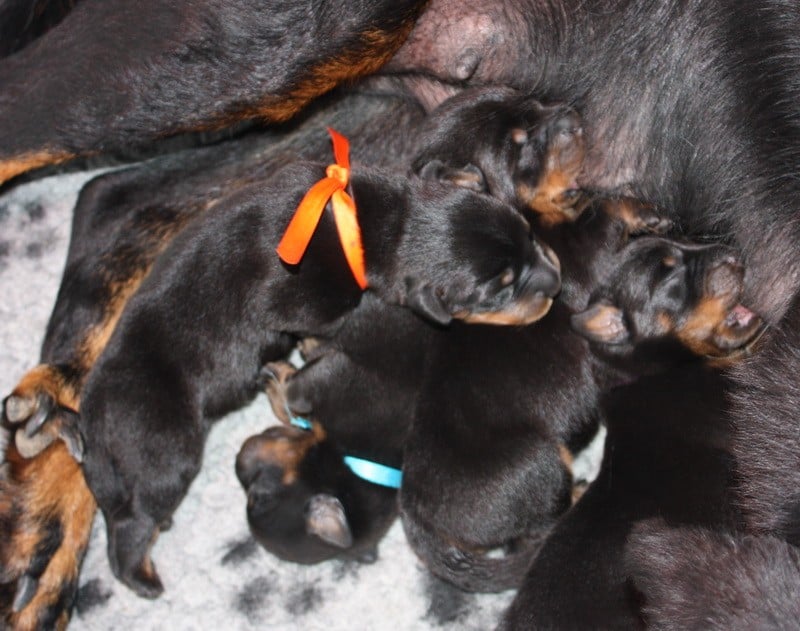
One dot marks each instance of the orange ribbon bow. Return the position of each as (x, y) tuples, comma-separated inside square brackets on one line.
[(304, 222)]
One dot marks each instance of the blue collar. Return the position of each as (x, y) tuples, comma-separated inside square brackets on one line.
[(374, 472)]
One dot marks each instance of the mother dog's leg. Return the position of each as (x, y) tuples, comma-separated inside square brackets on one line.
[(123, 73), (46, 509)]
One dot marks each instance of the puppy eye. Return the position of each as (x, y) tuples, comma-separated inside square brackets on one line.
[(507, 277), (669, 261)]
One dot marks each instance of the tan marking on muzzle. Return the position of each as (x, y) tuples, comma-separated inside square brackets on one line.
[(519, 313), (288, 450)]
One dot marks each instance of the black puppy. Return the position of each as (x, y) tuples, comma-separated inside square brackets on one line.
[(674, 316), (527, 153), (355, 391), (122, 221), (219, 303)]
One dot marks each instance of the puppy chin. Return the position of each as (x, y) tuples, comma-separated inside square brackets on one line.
[(518, 313)]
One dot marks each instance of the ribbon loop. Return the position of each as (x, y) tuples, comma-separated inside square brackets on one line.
[(304, 222)]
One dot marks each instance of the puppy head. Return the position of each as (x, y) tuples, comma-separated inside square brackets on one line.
[(469, 256), (303, 504), (665, 291), (497, 141)]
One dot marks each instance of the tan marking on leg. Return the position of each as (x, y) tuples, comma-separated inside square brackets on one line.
[(47, 379), (98, 335), (29, 161), (51, 486)]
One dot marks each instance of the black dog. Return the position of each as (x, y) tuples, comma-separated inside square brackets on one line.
[(528, 154), (667, 451), (355, 391), (122, 221), (191, 342)]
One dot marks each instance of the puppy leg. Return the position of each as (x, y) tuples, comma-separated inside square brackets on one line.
[(129, 543), (105, 79), (46, 508)]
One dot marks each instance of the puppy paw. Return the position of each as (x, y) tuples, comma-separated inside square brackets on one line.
[(40, 411), (639, 217), (46, 513), (277, 376)]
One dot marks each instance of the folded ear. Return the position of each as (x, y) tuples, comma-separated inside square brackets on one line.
[(325, 518), (422, 299), (601, 322), (469, 176)]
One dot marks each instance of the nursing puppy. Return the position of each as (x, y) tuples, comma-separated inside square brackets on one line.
[(355, 391), (218, 304), (490, 425), (667, 450)]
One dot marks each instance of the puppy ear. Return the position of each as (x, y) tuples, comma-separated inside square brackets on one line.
[(325, 518), (422, 299), (470, 176), (602, 322)]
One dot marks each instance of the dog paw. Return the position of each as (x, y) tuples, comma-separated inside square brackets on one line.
[(46, 513), (277, 376), (639, 217), (40, 411)]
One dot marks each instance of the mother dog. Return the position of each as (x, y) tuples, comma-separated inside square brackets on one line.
[(691, 104)]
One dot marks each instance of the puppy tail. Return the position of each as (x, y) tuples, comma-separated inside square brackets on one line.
[(471, 570)]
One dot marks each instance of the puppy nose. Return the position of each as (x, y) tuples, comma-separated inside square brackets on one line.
[(567, 122), (545, 275)]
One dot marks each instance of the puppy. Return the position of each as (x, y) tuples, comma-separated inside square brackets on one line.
[(312, 506), (673, 318), (466, 442), (122, 221), (527, 153), (218, 304)]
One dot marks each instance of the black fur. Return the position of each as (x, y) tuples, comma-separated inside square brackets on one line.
[(498, 405), (696, 578), (362, 384), (191, 342)]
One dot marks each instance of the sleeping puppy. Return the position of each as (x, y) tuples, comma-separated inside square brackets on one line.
[(355, 391), (527, 153), (219, 304), (667, 450), (485, 466)]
